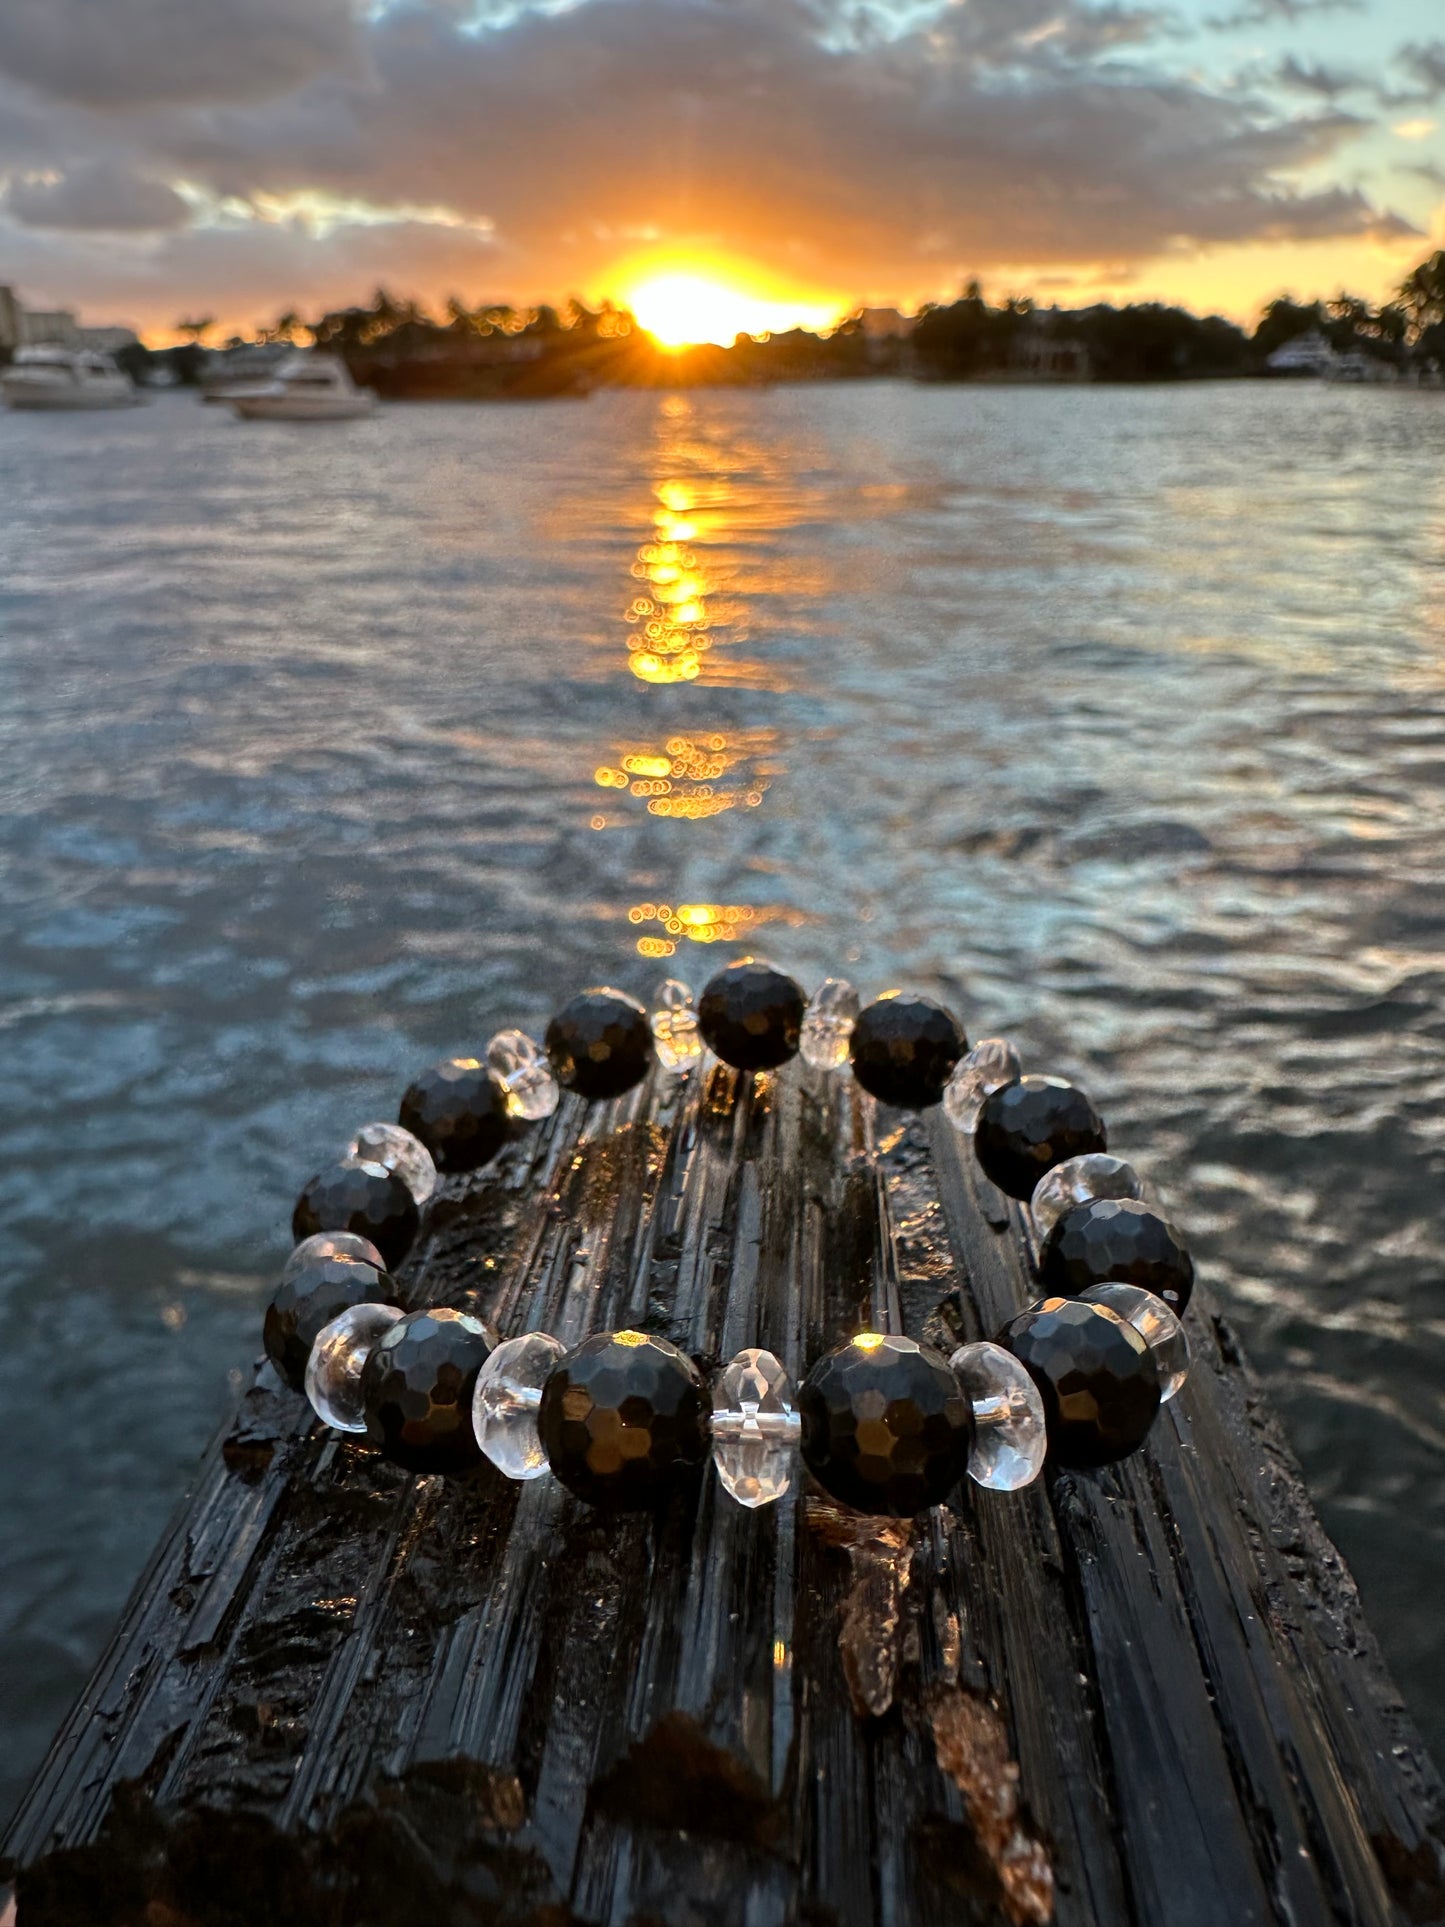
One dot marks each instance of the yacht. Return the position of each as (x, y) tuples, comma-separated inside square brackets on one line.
[(236, 373), (66, 378), (307, 388)]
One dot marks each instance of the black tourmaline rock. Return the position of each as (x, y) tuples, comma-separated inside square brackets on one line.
[(1095, 1375), (623, 1420), (886, 1426), (459, 1112), (1027, 1128), (417, 1388), (600, 1044), (1117, 1240), (310, 1297), (363, 1198), (904, 1049), (751, 1015)]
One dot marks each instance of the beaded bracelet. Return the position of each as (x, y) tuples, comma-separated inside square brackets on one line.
[(884, 1424)]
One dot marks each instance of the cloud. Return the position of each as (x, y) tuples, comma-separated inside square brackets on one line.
[(1424, 63), (992, 135), (1310, 77), (119, 52), (1265, 13), (988, 136), (95, 197)]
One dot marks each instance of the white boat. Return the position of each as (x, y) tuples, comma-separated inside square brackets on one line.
[(66, 378), (237, 373), (307, 388)]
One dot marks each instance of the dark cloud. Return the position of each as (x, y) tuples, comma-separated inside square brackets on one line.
[(1424, 65), (95, 197), (1264, 13), (1309, 77), (112, 53), (993, 134)]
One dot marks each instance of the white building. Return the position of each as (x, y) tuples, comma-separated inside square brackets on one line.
[(22, 327)]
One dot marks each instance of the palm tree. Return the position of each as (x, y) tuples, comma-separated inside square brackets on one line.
[(1422, 294), (195, 331)]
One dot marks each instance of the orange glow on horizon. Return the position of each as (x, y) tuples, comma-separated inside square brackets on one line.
[(686, 307)]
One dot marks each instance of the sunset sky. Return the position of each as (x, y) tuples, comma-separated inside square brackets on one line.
[(239, 157)]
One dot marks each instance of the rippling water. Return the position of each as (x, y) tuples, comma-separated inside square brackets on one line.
[(1119, 716)]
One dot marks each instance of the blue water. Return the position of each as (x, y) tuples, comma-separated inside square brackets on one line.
[(1117, 715)]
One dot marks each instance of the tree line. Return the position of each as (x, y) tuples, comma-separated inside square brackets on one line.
[(493, 348)]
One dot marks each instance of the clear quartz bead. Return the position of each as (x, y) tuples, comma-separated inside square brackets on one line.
[(396, 1150), (333, 1371), (520, 1066), (1156, 1323), (1076, 1181), (331, 1244), (828, 1024), (507, 1399), (992, 1063), (1009, 1438), (674, 1026), (755, 1428)]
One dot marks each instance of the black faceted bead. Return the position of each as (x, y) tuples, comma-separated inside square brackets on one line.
[(600, 1044), (1095, 1374), (751, 1015), (886, 1425), (1117, 1240), (904, 1049), (311, 1297), (1027, 1128), (417, 1388), (623, 1420), (363, 1198), (459, 1112)]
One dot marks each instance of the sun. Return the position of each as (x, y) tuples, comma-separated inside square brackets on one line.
[(680, 309)]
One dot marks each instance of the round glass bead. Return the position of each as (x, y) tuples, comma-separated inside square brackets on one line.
[(622, 1420), (904, 1049), (1076, 1181), (524, 1074), (332, 1244), (1096, 1375), (751, 1015), (416, 1390), (361, 1198), (828, 1024), (396, 1150), (507, 1400), (675, 1033), (310, 1296), (1120, 1241), (886, 1425), (1025, 1129), (459, 1112), (1156, 1324), (333, 1371), (992, 1063), (600, 1044), (1009, 1434), (755, 1428)]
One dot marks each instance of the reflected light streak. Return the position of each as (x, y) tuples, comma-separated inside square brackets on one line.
[(694, 776), (669, 620), (705, 923)]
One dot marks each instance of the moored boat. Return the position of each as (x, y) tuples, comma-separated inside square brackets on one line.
[(307, 388), (67, 378)]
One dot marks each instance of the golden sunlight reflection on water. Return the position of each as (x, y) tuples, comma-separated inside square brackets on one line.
[(679, 618)]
